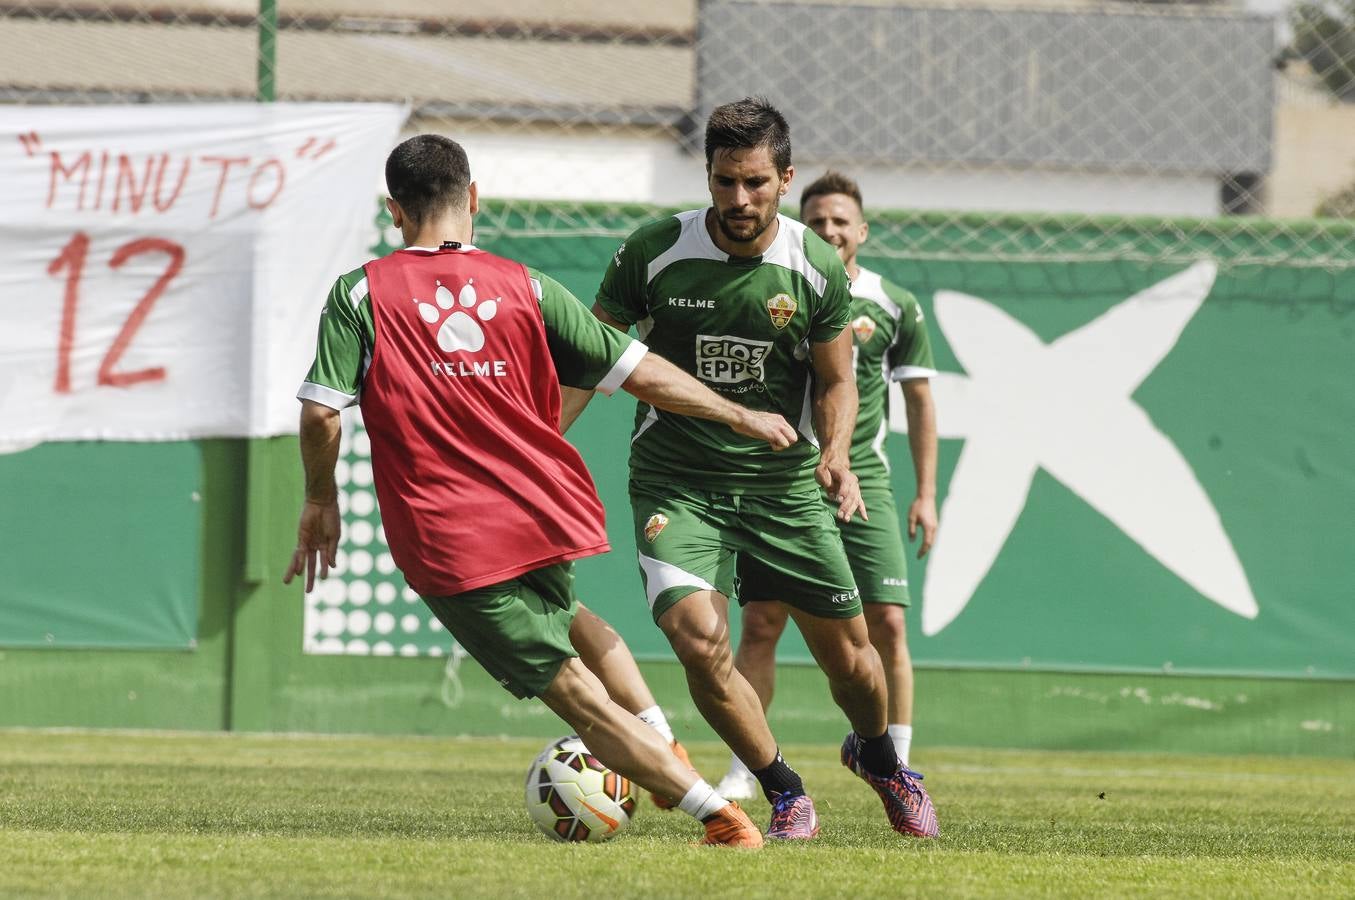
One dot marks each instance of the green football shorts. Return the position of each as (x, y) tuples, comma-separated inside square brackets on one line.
[(517, 629), (689, 539), (875, 549)]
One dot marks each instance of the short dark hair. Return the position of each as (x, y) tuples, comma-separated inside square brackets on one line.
[(750, 122), (427, 175), (831, 182)]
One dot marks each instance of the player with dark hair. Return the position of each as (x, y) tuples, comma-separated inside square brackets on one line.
[(457, 356), (890, 345), (421, 172), (756, 306)]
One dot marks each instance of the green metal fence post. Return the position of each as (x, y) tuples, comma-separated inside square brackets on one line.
[(268, 50), (248, 670)]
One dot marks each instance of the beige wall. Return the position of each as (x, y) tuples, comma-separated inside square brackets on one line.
[(1314, 153), (676, 15)]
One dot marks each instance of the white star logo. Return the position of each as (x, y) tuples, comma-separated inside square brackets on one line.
[(1067, 407)]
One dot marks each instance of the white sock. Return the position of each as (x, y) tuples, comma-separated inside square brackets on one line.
[(902, 736), (702, 802), (654, 718), (738, 768)]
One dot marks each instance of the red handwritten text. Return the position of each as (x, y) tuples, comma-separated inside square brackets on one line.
[(72, 260), (107, 181)]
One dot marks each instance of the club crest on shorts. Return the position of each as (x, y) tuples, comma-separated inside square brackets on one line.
[(655, 525), (782, 309), (864, 328)]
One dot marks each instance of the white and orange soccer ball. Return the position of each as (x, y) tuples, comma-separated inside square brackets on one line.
[(572, 796)]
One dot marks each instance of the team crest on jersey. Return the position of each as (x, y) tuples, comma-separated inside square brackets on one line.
[(782, 309), (864, 328), (656, 524)]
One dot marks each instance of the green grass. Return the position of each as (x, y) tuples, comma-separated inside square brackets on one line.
[(114, 814)]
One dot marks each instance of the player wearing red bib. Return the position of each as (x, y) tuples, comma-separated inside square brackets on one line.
[(456, 357)]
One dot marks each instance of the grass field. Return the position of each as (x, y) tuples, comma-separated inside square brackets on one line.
[(89, 814)]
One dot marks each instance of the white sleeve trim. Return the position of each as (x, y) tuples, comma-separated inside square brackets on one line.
[(624, 366), (909, 373), (359, 293), (326, 396)]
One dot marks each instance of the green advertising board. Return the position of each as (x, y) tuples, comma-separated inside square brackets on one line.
[(1142, 470), (100, 544), (1144, 467)]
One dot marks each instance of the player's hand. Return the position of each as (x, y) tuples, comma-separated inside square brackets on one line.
[(317, 542), (766, 426), (922, 514), (837, 478)]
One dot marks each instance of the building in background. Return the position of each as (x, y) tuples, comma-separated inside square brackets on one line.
[(1074, 107)]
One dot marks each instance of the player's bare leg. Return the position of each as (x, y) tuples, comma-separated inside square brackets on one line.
[(888, 633), (856, 678), (763, 624), (629, 747), (607, 656), (622, 742), (698, 629)]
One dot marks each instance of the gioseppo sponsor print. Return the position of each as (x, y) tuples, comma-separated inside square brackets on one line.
[(728, 359)]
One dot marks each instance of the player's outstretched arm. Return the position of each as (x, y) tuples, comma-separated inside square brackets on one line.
[(917, 402), (835, 403), (317, 533), (573, 401), (659, 383), (608, 319)]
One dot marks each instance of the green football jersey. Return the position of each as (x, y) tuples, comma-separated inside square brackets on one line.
[(890, 344), (743, 328), (586, 353)]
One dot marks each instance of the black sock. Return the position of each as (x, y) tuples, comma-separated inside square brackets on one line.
[(779, 779), (877, 755)]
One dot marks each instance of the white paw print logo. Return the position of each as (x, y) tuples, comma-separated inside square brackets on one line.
[(460, 331)]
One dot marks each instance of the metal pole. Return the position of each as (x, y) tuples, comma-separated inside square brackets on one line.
[(258, 556), (268, 50)]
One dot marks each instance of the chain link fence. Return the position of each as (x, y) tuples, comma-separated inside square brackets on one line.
[(1142, 134), (1091, 120)]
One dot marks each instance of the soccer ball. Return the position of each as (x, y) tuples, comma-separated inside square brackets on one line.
[(571, 796)]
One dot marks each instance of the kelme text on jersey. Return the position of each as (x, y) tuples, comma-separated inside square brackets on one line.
[(691, 303), (489, 368)]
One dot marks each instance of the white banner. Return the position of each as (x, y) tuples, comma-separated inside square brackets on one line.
[(162, 268)]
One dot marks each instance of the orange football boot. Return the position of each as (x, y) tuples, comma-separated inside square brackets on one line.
[(731, 827)]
